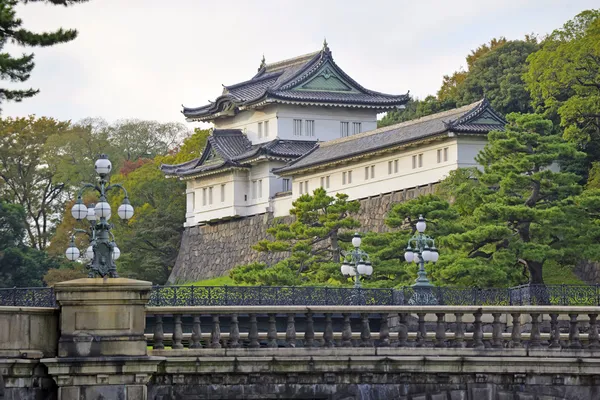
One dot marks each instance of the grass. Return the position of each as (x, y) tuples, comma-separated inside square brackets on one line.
[(557, 275)]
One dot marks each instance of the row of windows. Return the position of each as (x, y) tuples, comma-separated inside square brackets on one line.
[(263, 129), (257, 189), (207, 195), (309, 128), (303, 187), (345, 128)]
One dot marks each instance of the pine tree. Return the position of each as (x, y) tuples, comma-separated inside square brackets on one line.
[(18, 69)]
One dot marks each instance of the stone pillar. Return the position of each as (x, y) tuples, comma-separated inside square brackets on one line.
[(102, 349)]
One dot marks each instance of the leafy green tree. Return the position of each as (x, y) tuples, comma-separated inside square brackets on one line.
[(312, 240), (520, 210), (28, 176), (18, 69), (416, 109), (564, 80)]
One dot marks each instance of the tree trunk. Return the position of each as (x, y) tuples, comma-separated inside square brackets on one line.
[(535, 272), (335, 247)]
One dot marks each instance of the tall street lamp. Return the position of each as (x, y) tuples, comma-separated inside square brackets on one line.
[(421, 249), (102, 251), (356, 263)]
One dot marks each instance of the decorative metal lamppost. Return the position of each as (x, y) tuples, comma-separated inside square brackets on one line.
[(102, 251), (356, 263), (421, 249)]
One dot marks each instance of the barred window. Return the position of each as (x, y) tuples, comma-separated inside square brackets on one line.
[(266, 129), (260, 129), (297, 127), (356, 127), (344, 128), (310, 127)]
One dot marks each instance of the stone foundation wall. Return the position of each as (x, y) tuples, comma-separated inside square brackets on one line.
[(212, 250)]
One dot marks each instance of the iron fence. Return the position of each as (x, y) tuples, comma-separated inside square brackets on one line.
[(564, 295), (27, 297)]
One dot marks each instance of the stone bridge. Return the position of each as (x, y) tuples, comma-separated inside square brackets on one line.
[(104, 342)]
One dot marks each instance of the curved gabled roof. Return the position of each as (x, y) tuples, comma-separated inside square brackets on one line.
[(309, 79)]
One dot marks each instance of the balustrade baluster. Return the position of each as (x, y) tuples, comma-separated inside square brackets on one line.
[(554, 332), (290, 332), (384, 331), (421, 332), (459, 334), (365, 332), (177, 333), (497, 341), (309, 332), (346, 331), (440, 330), (215, 334), (593, 342), (159, 335), (477, 331), (515, 336), (534, 339), (402, 330), (253, 333), (328, 332), (574, 342), (234, 332), (196, 333), (272, 332)]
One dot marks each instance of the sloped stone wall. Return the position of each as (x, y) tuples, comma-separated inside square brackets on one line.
[(209, 251)]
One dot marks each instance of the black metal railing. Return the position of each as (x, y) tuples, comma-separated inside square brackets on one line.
[(27, 297), (161, 296)]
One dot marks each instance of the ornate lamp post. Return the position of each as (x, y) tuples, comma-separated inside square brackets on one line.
[(356, 263), (102, 251), (421, 249)]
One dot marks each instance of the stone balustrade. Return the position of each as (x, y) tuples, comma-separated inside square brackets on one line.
[(478, 328)]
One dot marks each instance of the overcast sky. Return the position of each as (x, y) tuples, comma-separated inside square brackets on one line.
[(144, 58)]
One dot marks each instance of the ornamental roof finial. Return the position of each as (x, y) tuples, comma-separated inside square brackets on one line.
[(263, 64), (325, 44)]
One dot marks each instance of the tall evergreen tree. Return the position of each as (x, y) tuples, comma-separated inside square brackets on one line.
[(18, 69)]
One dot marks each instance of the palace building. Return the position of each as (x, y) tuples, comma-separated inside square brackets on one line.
[(303, 123)]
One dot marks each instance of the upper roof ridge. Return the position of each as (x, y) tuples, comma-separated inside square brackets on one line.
[(272, 67)]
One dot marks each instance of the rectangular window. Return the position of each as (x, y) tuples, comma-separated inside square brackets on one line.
[(297, 127), (310, 127), (266, 129), (260, 129), (349, 176), (344, 128), (395, 166), (286, 185), (210, 197), (260, 188), (372, 171), (356, 127), (439, 156), (414, 162), (306, 187), (327, 182), (420, 160), (254, 189), (204, 193), (301, 187), (344, 177), (323, 182), (445, 154), (366, 173), (222, 193), (389, 167)]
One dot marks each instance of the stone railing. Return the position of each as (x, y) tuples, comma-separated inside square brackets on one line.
[(477, 328)]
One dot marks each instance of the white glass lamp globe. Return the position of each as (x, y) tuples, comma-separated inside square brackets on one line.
[(103, 165), (352, 271), (421, 225), (434, 255), (72, 253), (116, 253), (346, 269), (89, 253), (356, 240), (416, 258), (409, 255), (361, 268), (91, 213), (79, 210), (103, 210), (369, 269), (125, 210), (426, 254)]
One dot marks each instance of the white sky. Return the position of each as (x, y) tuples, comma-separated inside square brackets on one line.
[(144, 58)]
